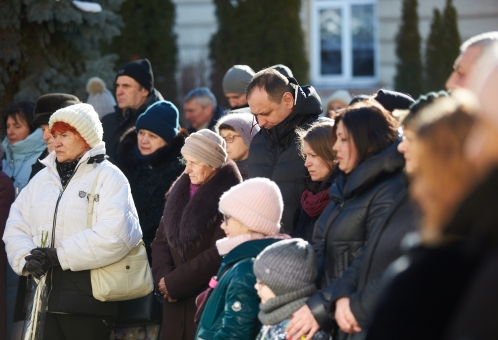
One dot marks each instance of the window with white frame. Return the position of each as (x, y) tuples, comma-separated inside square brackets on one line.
[(344, 44)]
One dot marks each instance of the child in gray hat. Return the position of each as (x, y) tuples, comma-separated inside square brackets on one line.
[(285, 274)]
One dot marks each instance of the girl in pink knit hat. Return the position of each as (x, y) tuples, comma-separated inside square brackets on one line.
[(252, 211)]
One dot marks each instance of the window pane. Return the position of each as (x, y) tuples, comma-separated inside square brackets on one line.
[(362, 29), (330, 41)]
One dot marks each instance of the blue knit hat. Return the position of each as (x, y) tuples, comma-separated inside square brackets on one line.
[(160, 118)]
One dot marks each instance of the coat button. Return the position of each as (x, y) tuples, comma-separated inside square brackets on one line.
[(237, 306)]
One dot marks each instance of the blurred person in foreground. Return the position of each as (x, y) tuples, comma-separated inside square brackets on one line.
[(478, 215), (184, 253), (470, 52), (428, 282)]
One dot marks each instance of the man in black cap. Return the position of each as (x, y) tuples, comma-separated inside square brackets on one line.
[(135, 92), (46, 105)]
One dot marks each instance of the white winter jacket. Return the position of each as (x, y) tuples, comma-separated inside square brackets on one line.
[(115, 228)]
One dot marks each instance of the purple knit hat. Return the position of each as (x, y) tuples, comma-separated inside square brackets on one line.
[(257, 203)]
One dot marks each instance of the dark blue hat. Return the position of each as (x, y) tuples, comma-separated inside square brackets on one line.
[(160, 118)]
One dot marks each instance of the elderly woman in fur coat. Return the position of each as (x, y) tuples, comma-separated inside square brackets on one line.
[(184, 254), (149, 156)]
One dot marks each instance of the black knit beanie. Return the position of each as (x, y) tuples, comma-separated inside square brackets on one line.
[(141, 71), (392, 100)]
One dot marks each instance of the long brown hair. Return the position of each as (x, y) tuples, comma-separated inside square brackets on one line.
[(321, 139), (443, 175)]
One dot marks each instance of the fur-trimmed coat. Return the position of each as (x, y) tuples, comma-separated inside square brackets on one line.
[(149, 181), (184, 251)]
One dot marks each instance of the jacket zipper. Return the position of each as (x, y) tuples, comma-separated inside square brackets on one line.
[(53, 227)]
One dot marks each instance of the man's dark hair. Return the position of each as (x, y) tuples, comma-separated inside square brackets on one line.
[(370, 126), (272, 81)]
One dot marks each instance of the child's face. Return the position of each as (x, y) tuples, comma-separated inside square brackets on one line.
[(264, 292), (233, 228), (237, 150)]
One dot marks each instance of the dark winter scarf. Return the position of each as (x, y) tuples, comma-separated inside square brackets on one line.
[(185, 219), (144, 159), (66, 170), (313, 204), (283, 306)]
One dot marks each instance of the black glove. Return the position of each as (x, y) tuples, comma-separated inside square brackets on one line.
[(40, 260)]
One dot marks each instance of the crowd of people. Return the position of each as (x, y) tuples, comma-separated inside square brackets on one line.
[(281, 217)]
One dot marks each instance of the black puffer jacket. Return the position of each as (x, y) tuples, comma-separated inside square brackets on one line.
[(116, 123), (358, 207), (274, 153), (150, 180), (363, 282)]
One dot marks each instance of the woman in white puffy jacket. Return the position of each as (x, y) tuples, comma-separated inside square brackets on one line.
[(55, 204)]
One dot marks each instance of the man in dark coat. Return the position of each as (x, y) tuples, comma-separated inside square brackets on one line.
[(46, 105), (135, 92), (280, 106), (201, 109)]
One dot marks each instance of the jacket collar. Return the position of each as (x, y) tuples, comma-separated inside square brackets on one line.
[(31, 144), (153, 97), (307, 105), (99, 149), (384, 163)]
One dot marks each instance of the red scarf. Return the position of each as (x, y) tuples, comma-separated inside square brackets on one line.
[(314, 204)]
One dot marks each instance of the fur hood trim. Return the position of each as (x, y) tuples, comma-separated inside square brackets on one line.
[(126, 158), (186, 219)]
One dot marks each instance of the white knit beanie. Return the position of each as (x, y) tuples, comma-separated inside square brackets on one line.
[(257, 203), (84, 119), (206, 146)]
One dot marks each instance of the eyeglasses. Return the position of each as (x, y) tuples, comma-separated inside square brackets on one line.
[(230, 138), (225, 218)]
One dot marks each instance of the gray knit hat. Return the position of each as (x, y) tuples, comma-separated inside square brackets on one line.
[(237, 78), (206, 146), (286, 266), (240, 120)]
